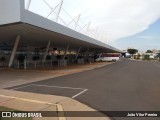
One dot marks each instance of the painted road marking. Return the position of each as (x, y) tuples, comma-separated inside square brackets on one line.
[(84, 90), (21, 87), (58, 87), (78, 94), (27, 100)]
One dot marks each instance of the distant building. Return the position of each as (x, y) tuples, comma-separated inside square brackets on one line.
[(155, 51)]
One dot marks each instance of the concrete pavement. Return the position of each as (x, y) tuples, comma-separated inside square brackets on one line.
[(123, 86), (13, 77), (26, 101)]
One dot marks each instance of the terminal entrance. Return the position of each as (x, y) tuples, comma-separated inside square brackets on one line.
[(25, 46), (42, 56)]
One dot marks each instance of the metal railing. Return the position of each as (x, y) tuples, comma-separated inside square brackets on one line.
[(57, 12)]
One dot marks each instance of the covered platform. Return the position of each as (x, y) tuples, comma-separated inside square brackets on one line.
[(25, 33)]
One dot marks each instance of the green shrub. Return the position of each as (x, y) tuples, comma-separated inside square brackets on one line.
[(146, 57)]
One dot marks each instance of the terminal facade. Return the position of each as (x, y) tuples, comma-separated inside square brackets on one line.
[(29, 40)]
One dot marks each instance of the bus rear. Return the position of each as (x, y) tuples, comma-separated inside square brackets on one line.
[(108, 57)]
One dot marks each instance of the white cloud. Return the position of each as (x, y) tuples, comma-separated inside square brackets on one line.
[(115, 18)]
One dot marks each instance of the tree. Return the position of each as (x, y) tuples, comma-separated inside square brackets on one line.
[(132, 51), (149, 51), (138, 57), (3, 59), (158, 55), (35, 58), (59, 57), (48, 57), (21, 58), (146, 57)]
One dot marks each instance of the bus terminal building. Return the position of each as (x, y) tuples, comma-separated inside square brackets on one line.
[(30, 40)]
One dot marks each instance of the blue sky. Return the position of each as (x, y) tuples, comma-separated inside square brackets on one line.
[(148, 39), (121, 23)]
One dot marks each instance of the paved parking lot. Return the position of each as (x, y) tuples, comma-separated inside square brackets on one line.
[(123, 86), (13, 77), (15, 98), (52, 90)]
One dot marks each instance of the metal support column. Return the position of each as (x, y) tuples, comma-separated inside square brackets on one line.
[(25, 63), (47, 48), (87, 51), (66, 52), (60, 7), (77, 21), (78, 53), (28, 4), (87, 54), (14, 51), (88, 27)]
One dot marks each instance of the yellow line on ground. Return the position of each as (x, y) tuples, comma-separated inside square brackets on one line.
[(61, 115), (58, 106), (28, 100)]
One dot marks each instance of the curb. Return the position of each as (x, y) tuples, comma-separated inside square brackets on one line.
[(58, 106)]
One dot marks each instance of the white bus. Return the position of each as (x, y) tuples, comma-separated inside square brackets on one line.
[(108, 57)]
